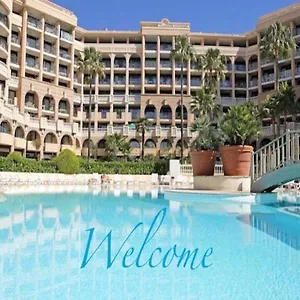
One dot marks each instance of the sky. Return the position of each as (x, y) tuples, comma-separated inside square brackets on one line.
[(221, 16)]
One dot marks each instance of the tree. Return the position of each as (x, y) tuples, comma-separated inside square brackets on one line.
[(116, 144), (213, 63), (182, 53), (91, 65), (142, 126), (271, 108), (286, 101), (204, 103)]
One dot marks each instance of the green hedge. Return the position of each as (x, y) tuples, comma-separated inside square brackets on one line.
[(67, 162), (114, 167)]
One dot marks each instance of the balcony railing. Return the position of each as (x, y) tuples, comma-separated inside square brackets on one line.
[(166, 47), (51, 29), (178, 65), (150, 115), (30, 104), (33, 22), (253, 83), (268, 78), (15, 39), (134, 65), (66, 35), (178, 82), (63, 73), (65, 55), (150, 81), (32, 64), (240, 68), (134, 81), (63, 110), (165, 116), (151, 47), (166, 64), (32, 44), (3, 19), (226, 84), (195, 82), (106, 80), (241, 85), (49, 49), (285, 74), (48, 69), (3, 44), (150, 64), (266, 61), (296, 31), (252, 66), (165, 81)]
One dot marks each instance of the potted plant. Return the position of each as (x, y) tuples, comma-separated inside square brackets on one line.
[(237, 127), (203, 155)]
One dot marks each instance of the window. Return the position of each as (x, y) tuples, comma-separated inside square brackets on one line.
[(66, 35), (47, 66)]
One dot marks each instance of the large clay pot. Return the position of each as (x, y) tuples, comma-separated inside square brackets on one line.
[(236, 160), (203, 162)]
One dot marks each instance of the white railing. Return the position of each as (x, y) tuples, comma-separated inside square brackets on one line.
[(187, 170), (279, 153)]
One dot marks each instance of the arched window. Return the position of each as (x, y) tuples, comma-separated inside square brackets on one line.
[(150, 144), (134, 144), (165, 144)]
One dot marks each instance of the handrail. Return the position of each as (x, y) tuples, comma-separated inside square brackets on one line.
[(282, 151)]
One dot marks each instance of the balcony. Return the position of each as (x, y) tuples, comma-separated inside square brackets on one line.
[(178, 65), (240, 68), (48, 69), (266, 61), (30, 105), (134, 65), (150, 46), (65, 35), (165, 64), (20, 143), (65, 55), (196, 82), (135, 81), (63, 73), (166, 47), (51, 29), (33, 22), (32, 64), (150, 63), (268, 78), (286, 74), (225, 84), (119, 81), (15, 39), (150, 115), (178, 82), (120, 64), (296, 31), (105, 81), (32, 44), (252, 66), (241, 85), (51, 147), (253, 83), (6, 139), (298, 71), (166, 116), (297, 53), (4, 20), (3, 44), (49, 49), (150, 151), (165, 81), (150, 81)]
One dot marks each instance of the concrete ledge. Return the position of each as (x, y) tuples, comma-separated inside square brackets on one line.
[(223, 183)]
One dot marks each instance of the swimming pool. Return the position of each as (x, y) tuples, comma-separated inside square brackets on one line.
[(43, 239)]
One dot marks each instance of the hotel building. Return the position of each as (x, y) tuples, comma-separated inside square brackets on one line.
[(44, 103)]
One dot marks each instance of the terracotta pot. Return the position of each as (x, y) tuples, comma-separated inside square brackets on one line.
[(203, 162), (236, 160)]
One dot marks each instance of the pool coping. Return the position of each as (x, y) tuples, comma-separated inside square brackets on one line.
[(205, 192)]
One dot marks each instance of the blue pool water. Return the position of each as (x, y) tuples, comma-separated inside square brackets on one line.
[(256, 247)]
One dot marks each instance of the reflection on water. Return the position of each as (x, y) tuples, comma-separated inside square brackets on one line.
[(43, 239)]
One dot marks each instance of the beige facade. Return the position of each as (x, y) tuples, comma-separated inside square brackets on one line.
[(44, 103)]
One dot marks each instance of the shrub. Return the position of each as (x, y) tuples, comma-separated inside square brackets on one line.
[(67, 162), (15, 157)]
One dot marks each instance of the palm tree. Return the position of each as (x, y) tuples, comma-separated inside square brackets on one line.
[(277, 43), (213, 63), (115, 144), (271, 107), (91, 65), (286, 101), (142, 126), (204, 103), (183, 52)]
